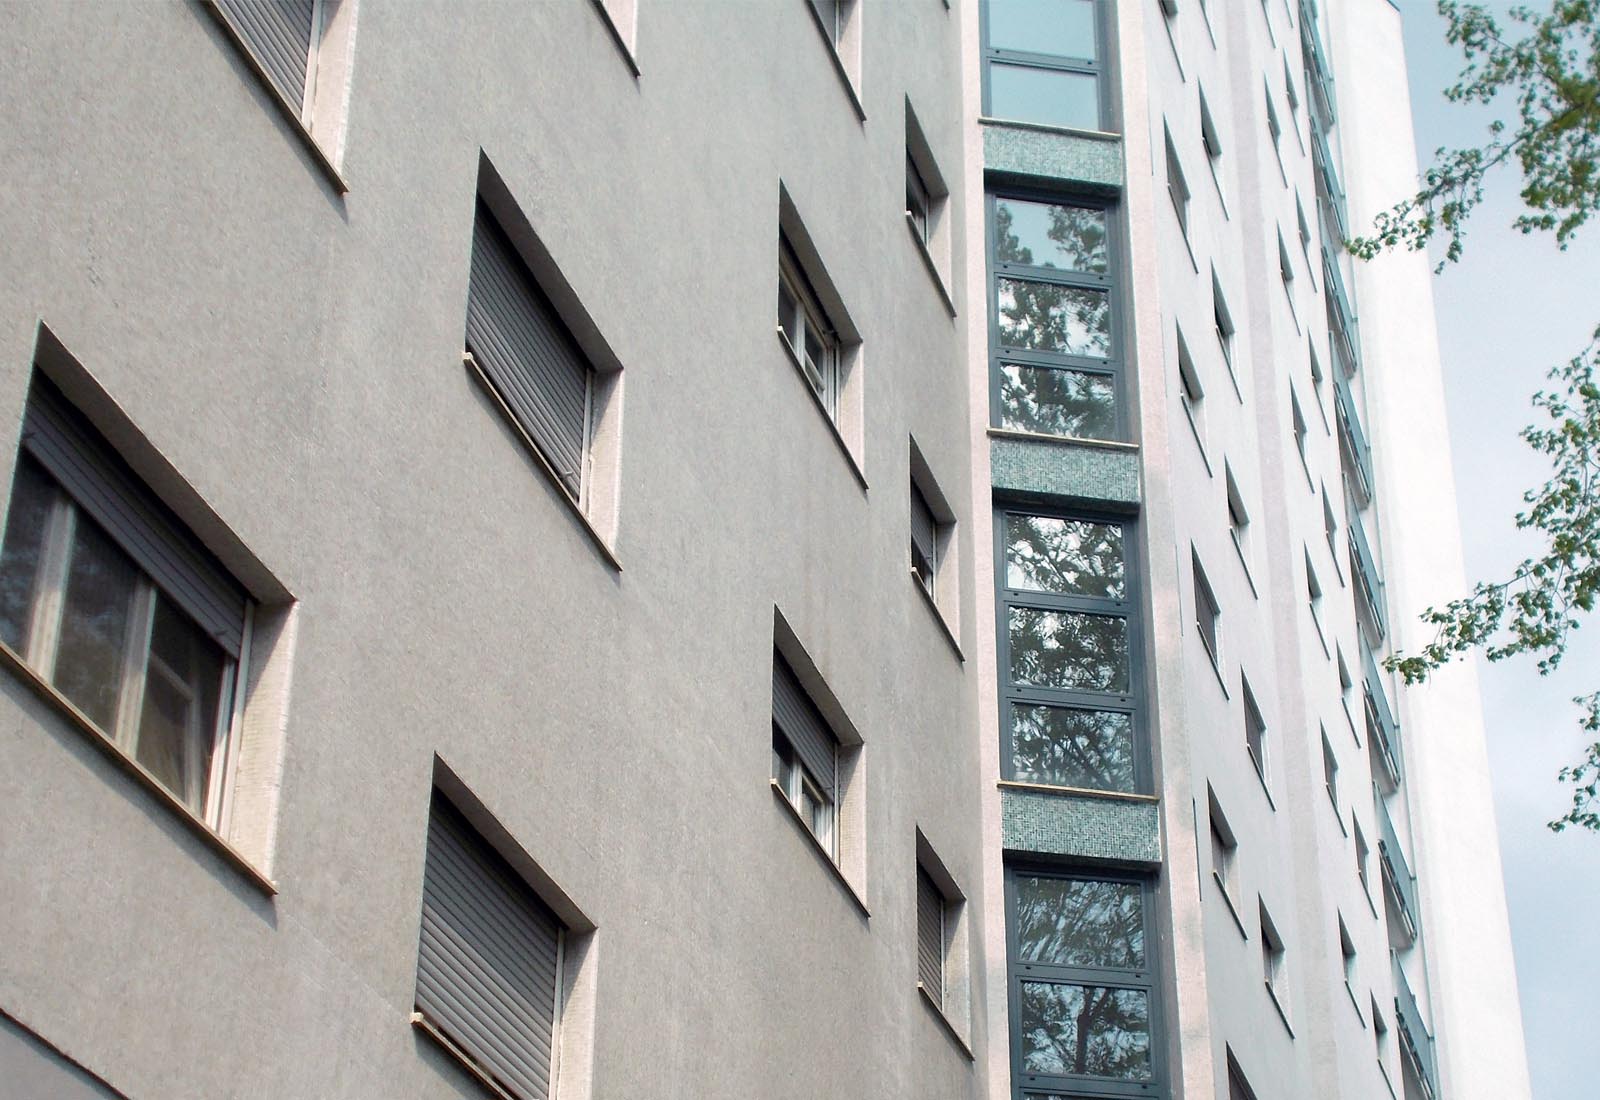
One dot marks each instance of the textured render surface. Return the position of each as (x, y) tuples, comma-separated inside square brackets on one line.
[(296, 357), (1065, 472), (1050, 157), (1080, 826)]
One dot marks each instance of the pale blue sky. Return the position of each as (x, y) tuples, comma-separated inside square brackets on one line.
[(1510, 310)]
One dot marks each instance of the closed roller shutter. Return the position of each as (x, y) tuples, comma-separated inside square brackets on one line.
[(527, 353), (923, 529), (278, 33), (489, 960), (930, 937), (800, 722), (97, 479)]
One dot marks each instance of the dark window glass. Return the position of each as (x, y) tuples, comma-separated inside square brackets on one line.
[(1089, 1030), (1058, 401), (1067, 320), (1073, 747), (1068, 650), (1079, 922), (1067, 556), (1043, 234), (96, 605), (31, 498)]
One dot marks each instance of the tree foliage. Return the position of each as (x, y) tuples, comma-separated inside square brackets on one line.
[(1548, 64)]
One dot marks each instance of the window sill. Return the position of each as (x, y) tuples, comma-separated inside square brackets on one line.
[(1222, 199), (838, 65), (1355, 1004), (1199, 438), (938, 616), (933, 267), (1068, 440), (1047, 128), (466, 1061), (543, 463), (1383, 1071), (1277, 1004), (816, 846), (1333, 800), (1244, 563), (1079, 792), (616, 36), (945, 1023), (1216, 665), (1366, 892), (1183, 231), (291, 113), (1233, 910), (833, 428), (11, 659)]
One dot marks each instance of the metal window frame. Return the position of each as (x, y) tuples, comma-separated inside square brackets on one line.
[(1113, 366), (1100, 67), (1128, 609), (1144, 980), (826, 378)]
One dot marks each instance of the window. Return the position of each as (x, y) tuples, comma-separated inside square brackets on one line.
[(1224, 853), (300, 50), (813, 342), (924, 542), (1347, 955), (1255, 731), (1304, 229), (805, 755), (1347, 689), (1057, 354), (1286, 271), (1273, 969), (927, 196), (489, 965), (840, 23), (1380, 1036), (522, 350), (1191, 395), (1362, 855), (1274, 128), (1069, 705), (622, 20), (1177, 187), (930, 937), (1207, 615), (1238, 518), (1316, 381), (834, 16), (1210, 140), (1298, 426), (816, 332), (1289, 92), (1081, 984), (1330, 772), (1314, 600), (1330, 527), (109, 599), (1238, 1087), (1223, 322), (1044, 63)]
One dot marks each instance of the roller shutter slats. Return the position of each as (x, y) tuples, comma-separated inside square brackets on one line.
[(278, 33), (804, 727), (488, 961), (930, 936)]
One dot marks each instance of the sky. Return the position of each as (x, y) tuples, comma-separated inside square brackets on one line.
[(1514, 307)]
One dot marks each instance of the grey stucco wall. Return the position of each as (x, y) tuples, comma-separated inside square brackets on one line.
[(295, 355)]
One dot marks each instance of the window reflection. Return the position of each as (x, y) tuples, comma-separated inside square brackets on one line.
[(1091, 1030), (1044, 234), (1058, 401), (1072, 747), (1067, 320), (1079, 922), (1066, 556), (1068, 650)]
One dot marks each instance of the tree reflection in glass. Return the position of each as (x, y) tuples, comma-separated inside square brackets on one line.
[(1067, 320), (1092, 1030), (1058, 401), (1072, 557), (1080, 922), (1069, 650), (1043, 234), (1073, 747)]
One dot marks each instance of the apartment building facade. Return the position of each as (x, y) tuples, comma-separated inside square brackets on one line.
[(595, 548)]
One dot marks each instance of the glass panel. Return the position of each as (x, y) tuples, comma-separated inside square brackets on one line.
[(1044, 234), (1053, 401), (1085, 1029), (1079, 922), (789, 315), (1068, 650), (1064, 28), (1072, 746), (177, 729), (31, 497), (94, 624), (1049, 97), (1072, 557), (1069, 320)]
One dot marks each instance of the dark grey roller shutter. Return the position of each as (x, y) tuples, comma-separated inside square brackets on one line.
[(99, 481), (930, 937), (278, 33), (923, 528), (488, 963), (530, 357), (798, 719)]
